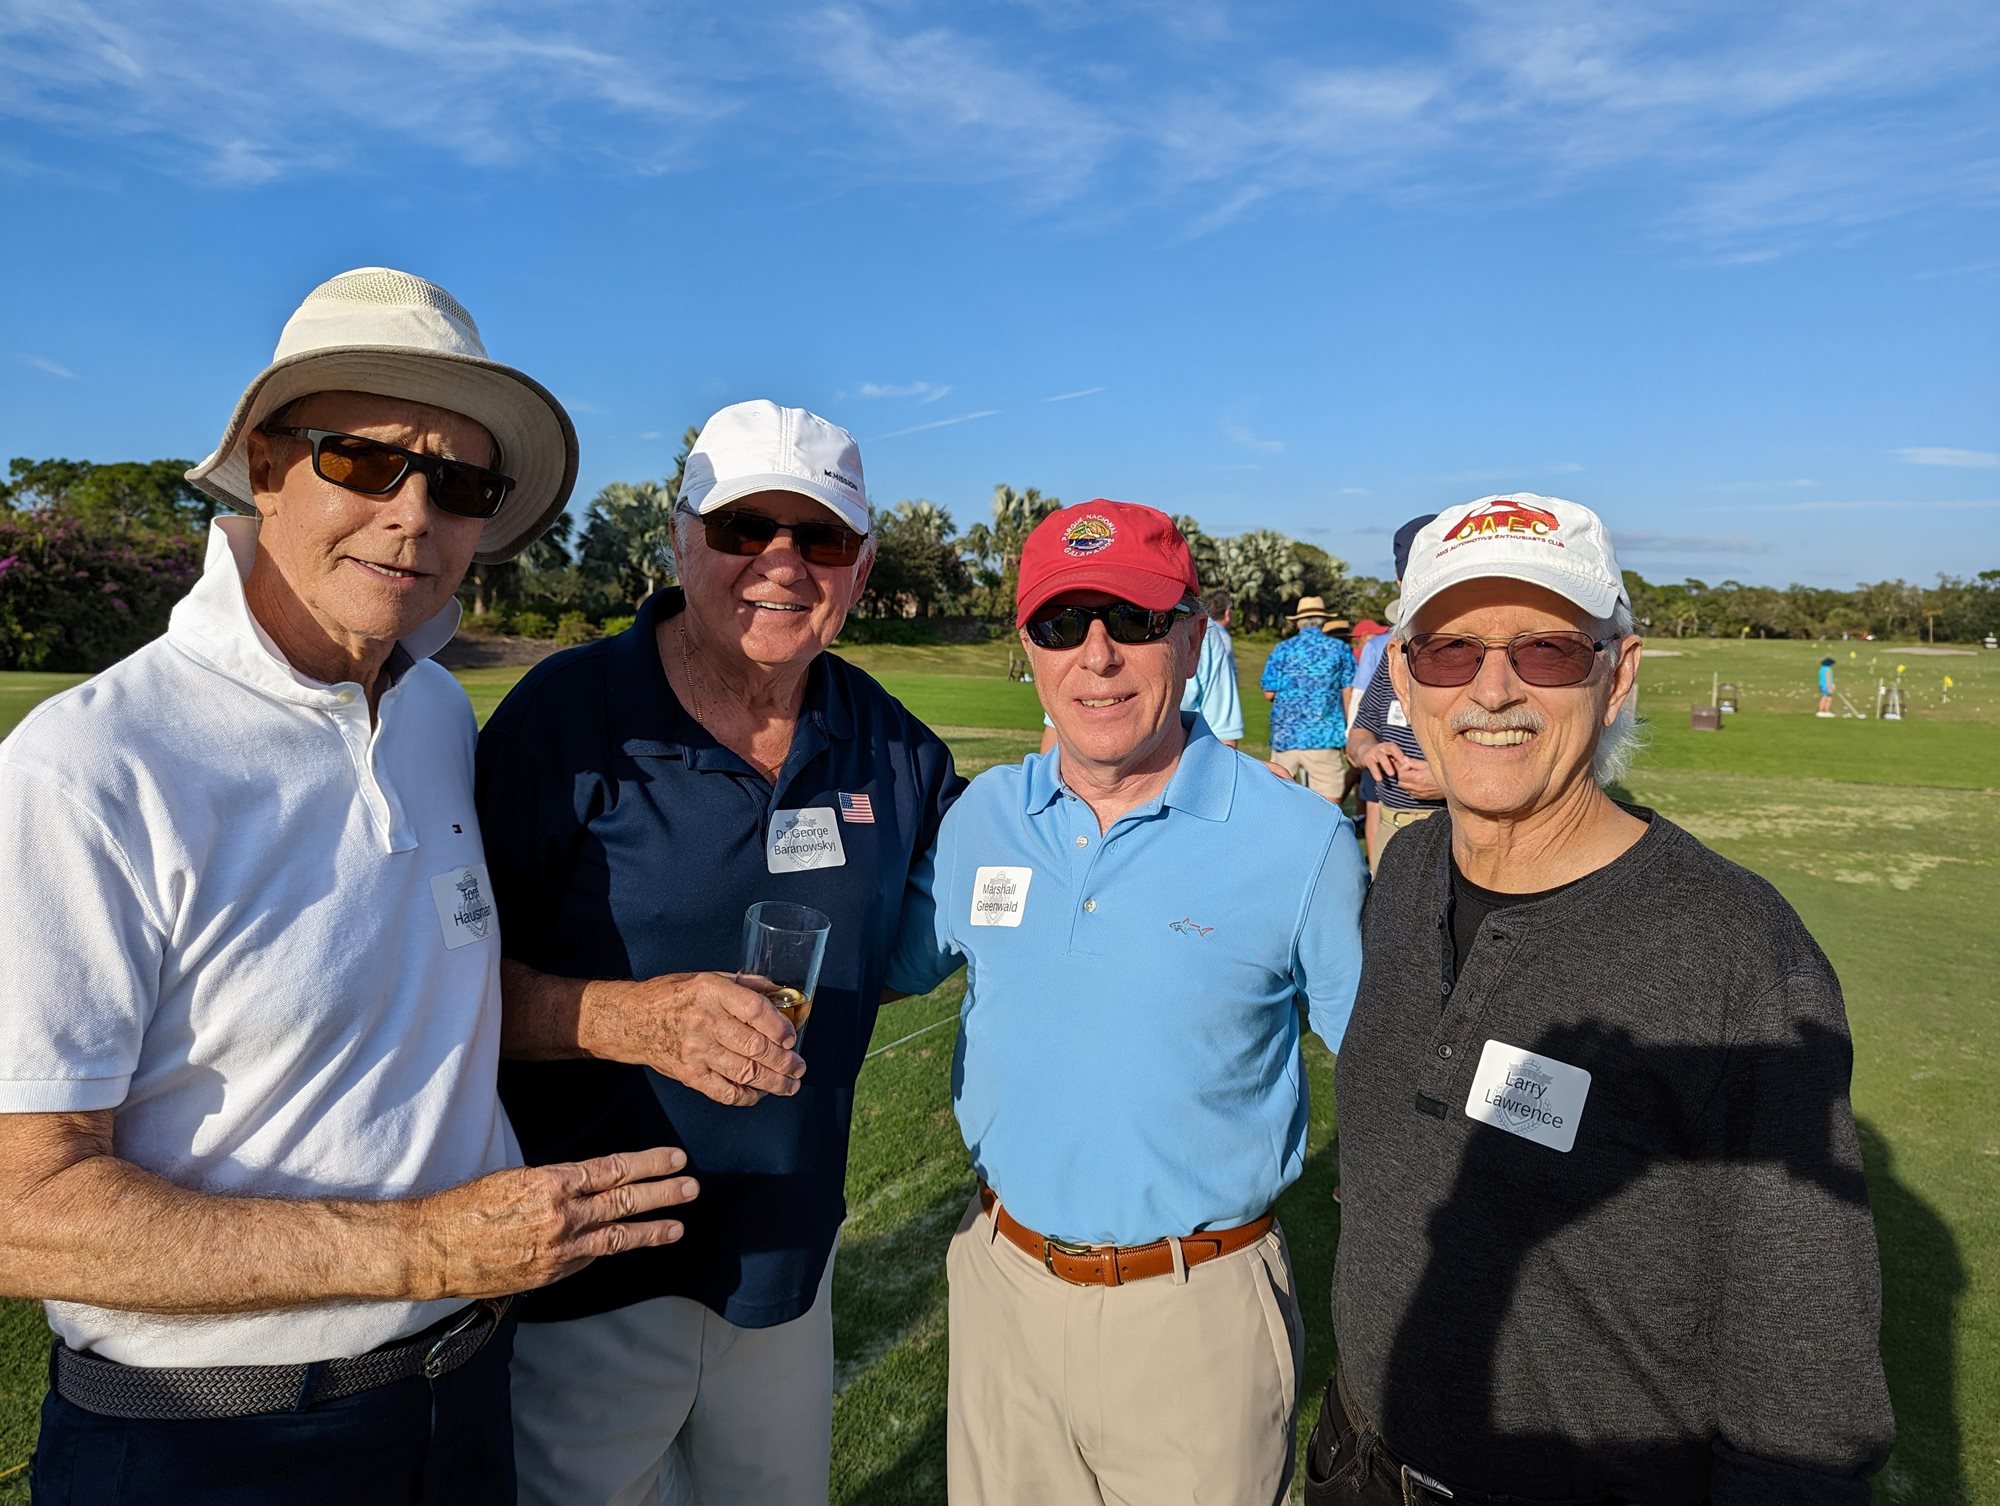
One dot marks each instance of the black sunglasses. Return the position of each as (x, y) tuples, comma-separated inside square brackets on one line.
[(734, 531), (1066, 627), (1546, 660), (375, 469)]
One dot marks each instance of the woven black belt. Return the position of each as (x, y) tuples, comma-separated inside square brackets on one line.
[(184, 1394)]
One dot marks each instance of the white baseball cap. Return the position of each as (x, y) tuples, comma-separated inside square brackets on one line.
[(759, 447), (1546, 541), (378, 330)]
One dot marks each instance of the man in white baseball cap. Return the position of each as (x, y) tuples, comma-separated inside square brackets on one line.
[(1604, 1235), (251, 1152), (638, 794)]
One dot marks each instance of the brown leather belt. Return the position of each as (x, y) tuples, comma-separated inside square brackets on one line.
[(1114, 1265)]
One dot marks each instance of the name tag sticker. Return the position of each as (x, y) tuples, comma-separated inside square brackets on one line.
[(805, 839), (1397, 716), (1000, 895), (1535, 1097), (464, 898)]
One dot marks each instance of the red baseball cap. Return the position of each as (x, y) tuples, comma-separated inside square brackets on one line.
[(1130, 551)]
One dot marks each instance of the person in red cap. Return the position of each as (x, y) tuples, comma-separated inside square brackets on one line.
[(1124, 1324)]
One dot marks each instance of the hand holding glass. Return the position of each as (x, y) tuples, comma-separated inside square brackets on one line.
[(783, 946)]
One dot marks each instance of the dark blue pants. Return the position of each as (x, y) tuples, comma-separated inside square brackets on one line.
[(412, 1443)]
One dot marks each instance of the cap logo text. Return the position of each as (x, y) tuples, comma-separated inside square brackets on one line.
[(1504, 519), (1089, 534)]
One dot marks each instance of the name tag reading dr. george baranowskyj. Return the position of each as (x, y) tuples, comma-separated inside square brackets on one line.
[(1535, 1097), (802, 840)]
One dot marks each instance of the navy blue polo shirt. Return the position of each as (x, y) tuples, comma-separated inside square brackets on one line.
[(625, 842)]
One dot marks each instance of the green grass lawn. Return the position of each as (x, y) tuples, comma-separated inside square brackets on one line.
[(1880, 833)]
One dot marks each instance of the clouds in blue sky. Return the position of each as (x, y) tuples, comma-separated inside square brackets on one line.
[(1770, 123), (1279, 263)]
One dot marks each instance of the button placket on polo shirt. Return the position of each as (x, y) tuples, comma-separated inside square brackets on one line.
[(1085, 848), (347, 709), (1451, 1044)]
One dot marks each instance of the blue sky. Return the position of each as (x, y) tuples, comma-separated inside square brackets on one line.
[(1729, 274)]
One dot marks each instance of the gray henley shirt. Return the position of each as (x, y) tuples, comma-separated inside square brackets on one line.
[(1684, 1305)]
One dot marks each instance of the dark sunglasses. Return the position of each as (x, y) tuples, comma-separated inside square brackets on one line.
[(732, 531), (1547, 660), (375, 469), (1066, 627)]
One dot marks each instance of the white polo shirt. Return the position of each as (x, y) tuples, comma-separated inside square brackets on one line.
[(260, 930)]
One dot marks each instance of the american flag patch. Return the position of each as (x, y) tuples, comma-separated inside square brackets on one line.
[(857, 808)]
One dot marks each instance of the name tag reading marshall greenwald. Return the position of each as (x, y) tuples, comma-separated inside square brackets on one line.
[(464, 898), (1535, 1097), (804, 839), (1000, 895)]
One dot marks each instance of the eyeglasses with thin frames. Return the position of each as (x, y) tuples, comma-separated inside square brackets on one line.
[(1546, 660)]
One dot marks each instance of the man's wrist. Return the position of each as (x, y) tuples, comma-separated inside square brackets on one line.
[(599, 1019)]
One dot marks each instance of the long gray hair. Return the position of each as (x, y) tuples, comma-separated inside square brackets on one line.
[(1622, 741)]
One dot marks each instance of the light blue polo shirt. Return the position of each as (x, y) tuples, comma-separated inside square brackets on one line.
[(1128, 1052)]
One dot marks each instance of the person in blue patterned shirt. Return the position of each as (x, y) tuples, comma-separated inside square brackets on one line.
[(1308, 680)]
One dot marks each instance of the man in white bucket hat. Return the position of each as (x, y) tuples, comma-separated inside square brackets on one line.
[(251, 1152), (1604, 1234)]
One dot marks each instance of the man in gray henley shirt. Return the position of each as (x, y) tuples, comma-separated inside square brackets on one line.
[(1604, 1235)]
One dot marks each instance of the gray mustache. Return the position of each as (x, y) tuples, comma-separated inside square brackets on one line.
[(1516, 719)]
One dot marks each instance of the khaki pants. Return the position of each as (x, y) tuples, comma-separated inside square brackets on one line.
[(1180, 1388), (663, 1401), (1393, 821), (1321, 770)]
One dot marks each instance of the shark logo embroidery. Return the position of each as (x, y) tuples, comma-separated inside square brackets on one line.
[(1188, 928)]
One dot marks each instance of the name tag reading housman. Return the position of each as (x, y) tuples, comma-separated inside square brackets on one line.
[(1535, 1097), (463, 897), (802, 840)]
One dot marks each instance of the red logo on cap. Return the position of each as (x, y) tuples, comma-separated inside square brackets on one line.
[(1504, 517)]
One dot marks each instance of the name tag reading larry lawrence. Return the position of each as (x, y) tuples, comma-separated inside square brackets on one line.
[(804, 839), (1535, 1097), (1000, 895)]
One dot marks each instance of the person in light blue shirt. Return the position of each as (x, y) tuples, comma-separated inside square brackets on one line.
[(1127, 1074)]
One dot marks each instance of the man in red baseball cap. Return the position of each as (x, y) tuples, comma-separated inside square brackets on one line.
[(1124, 1323)]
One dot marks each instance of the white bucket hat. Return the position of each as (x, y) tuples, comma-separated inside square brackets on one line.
[(1543, 540), (759, 447), (386, 332)]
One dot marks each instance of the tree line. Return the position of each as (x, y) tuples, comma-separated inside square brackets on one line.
[(92, 557)]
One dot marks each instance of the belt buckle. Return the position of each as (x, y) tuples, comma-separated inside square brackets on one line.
[(433, 1365), (1068, 1247), (1417, 1477)]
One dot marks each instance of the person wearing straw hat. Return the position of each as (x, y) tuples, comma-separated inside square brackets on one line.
[(1308, 680), (251, 1153), (1604, 1234), (638, 795)]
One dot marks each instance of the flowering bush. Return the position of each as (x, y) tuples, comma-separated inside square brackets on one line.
[(77, 597)]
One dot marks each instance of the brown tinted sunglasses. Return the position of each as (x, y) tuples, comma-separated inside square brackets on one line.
[(375, 469)]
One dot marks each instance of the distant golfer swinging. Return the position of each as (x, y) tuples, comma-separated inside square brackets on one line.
[(1826, 687)]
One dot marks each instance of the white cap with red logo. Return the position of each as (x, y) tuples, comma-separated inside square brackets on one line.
[(1543, 540)]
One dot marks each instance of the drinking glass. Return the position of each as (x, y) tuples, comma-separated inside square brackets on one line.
[(783, 946)]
